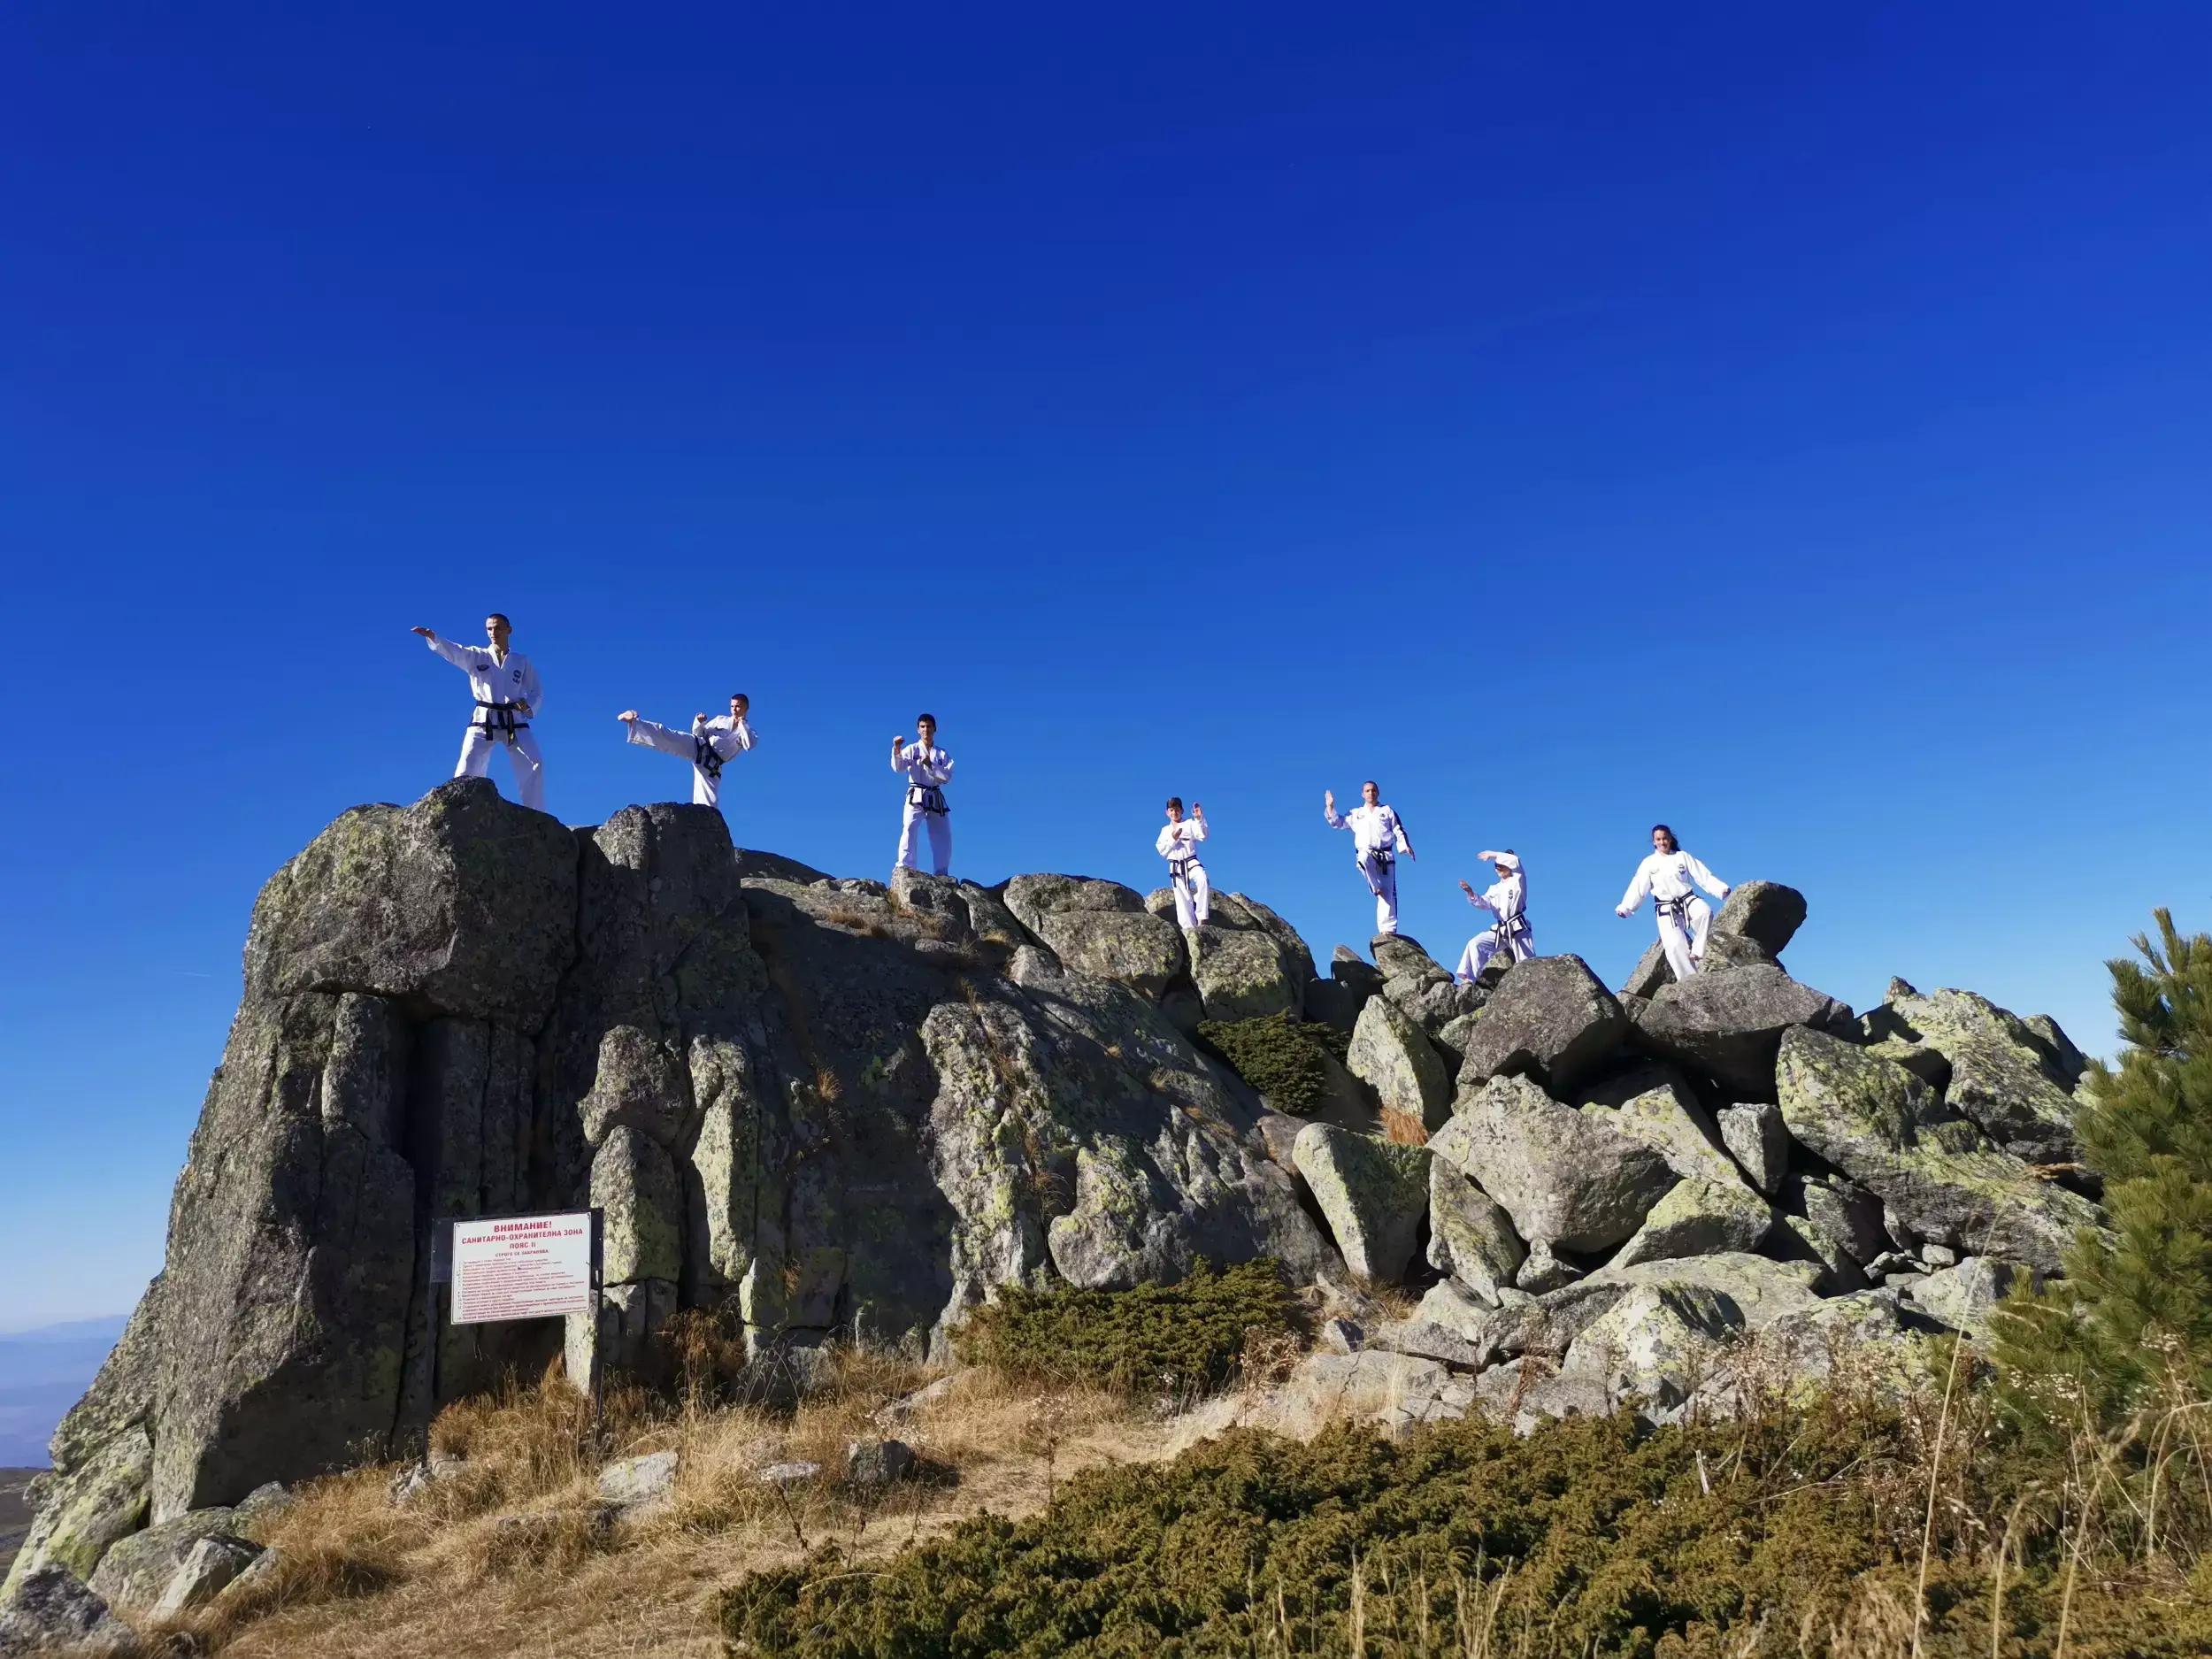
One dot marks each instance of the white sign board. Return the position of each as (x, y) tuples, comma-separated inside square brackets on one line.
[(521, 1267)]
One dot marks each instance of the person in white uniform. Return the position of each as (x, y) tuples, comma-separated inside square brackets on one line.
[(1507, 899), (1378, 839), (1177, 843), (926, 769), (1667, 875), (507, 695), (707, 746)]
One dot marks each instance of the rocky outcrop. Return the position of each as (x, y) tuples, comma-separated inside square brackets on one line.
[(834, 1106), (827, 1107)]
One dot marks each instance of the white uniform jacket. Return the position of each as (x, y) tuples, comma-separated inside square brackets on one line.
[(511, 679), (1666, 877)]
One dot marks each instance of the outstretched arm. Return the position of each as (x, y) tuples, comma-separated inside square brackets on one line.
[(1707, 880), (1637, 888), (460, 656), (1329, 813), (1476, 899)]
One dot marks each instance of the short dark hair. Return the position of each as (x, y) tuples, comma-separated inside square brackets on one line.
[(924, 715), (1176, 800), (1370, 783), (1673, 846), (500, 617), (738, 696)]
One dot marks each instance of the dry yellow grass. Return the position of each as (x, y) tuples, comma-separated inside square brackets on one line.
[(511, 1554)]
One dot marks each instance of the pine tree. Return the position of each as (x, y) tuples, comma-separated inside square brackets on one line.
[(2131, 1325)]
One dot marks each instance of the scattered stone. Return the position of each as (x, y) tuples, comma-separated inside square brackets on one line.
[(1390, 1053), (209, 1568), (1759, 1142), (1728, 1023), (639, 1487), (1372, 1194), (1726, 950), (271, 1498), (1761, 1290), (1549, 1018), (1526, 1393), (1401, 955), (1544, 1271), (905, 1409), (791, 1474), (1565, 1180), (411, 1482), (1964, 1297), (136, 1570), (873, 1464), (1938, 1256)]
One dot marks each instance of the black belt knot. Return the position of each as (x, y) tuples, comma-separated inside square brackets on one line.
[(929, 797), (500, 718)]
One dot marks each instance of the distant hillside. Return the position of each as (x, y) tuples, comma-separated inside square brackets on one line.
[(15, 1515), (41, 1374)]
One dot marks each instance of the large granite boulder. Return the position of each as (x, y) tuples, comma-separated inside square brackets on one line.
[(1390, 1055), (1568, 1182), (1371, 1193), (1700, 1218), (1652, 971), (1242, 961), (1550, 1019), (1759, 1142), (52, 1612), (1100, 928), (1964, 1297), (1760, 1291), (1652, 1102), (1470, 1237), (464, 903), (2012, 1079), (133, 1575), (1884, 1128), (1727, 1025), (1765, 912)]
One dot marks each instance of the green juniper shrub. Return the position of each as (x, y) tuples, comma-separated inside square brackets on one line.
[(1281, 1057), (1181, 1339), (1594, 1539)]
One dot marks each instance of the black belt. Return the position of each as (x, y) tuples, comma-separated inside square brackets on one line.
[(1382, 855), (500, 718), (929, 797), (1179, 869), (1679, 909), (706, 757)]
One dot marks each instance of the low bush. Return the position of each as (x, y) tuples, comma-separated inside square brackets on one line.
[(1181, 1339), (1279, 1056), (1594, 1538)]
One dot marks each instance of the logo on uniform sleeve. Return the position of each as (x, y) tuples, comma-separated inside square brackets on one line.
[(516, 672)]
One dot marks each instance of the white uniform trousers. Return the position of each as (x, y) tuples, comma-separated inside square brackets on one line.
[(1486, 945), (1685, 946), (1194, 895), (522, 754), (940, 838), (1382, 881)]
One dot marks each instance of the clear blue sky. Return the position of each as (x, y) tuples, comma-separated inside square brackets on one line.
[(1788, 421)]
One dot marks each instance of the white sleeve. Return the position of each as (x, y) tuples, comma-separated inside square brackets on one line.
[(1196, 828), (940, 774), (533, 687), (898, 759), (461, 656), (1639, 887), (1403, 841), (740, 736), (1705, 878), (1163, 843), (1482, 901), (1335, 819)]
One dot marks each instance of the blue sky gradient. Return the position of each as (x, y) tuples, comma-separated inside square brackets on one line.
[(1790, 426)]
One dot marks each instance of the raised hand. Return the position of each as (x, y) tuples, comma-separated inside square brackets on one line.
[(426, 632), (628, 717)]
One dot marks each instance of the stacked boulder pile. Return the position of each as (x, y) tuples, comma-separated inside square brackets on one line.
[(1627, 1189), (830, 1108)]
